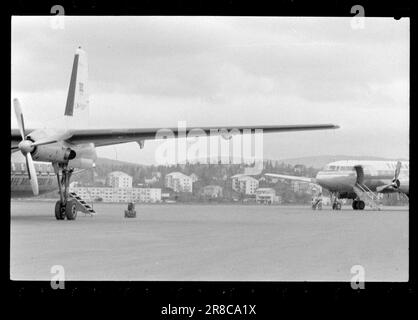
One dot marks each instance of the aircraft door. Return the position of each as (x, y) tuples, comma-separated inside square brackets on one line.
[(360, 174)]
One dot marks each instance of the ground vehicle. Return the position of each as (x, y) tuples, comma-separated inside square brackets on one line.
[(131, 212)]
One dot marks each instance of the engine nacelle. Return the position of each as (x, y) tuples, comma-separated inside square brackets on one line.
[(53, 153)]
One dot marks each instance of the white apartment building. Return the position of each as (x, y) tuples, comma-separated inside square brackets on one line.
[(179, 182), (244, 184), (119, 179), (118, 194), (266, 195)]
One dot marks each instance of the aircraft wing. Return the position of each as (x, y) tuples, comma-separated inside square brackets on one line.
[(295, 178), (104, 137)]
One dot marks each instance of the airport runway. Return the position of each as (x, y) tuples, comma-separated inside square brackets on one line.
[(202, 242)]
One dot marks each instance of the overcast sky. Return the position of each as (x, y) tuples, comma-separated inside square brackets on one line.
[(156, 71)]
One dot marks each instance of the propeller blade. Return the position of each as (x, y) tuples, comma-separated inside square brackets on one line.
[(19, 117), (395, 182), (398, 170), (32, 174)]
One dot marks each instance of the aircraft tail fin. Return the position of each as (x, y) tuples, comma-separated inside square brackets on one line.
[(77, 105)]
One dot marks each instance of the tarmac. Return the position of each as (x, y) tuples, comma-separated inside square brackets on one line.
[(174, 242)]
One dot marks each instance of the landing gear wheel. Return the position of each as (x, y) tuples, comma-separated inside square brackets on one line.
[(71, 209), (59, 211), (361, 205), (355, 205), (334, 206), (338, 206)]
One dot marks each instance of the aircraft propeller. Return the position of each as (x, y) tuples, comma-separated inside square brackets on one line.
[(395, 181), (26, 147)]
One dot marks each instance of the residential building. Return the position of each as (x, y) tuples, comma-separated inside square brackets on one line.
[(107, 194), (266, 196), (118, 179), (179, 182), (244, 184)]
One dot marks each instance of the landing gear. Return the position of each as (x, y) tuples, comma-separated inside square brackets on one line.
[(59, 211), (71, 210), (64, 208), (358, 204)]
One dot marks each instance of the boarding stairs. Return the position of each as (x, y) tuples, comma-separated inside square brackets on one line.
[(369, 197), (82, 205)]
